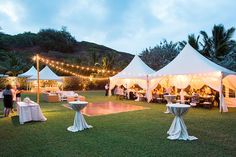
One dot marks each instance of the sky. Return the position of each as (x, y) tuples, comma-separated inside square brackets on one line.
[(124, 25)]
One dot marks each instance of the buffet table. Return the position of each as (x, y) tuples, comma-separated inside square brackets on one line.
[(29, 112), (178, 129), (79, 121)]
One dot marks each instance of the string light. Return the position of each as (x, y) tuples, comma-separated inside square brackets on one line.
[(76, 74), (47, 61)]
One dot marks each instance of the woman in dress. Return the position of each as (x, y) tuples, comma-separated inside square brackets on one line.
[(7, 100)]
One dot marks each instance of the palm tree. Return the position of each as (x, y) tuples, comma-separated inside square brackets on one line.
[(192, 40), (108, 61), (206, 44), (13, 64), (221, 42), (182, 44)]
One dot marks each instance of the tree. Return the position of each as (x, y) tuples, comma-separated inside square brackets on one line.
[(206, 44), (221, 42), (50, 39), (192, 40), (160, 55), (108, 61), (13, 64)]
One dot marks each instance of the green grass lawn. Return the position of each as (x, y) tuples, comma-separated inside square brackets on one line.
[(136, 133)]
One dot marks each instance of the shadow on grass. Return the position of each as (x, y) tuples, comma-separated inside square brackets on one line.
[(15, 120), (51, 111)]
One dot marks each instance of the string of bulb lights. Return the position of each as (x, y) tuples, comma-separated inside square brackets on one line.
[(75, 66), (58, 65)]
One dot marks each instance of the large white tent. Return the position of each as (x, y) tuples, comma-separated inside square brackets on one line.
[(46, 74), (135, 73), (31, 72), (191, 68)]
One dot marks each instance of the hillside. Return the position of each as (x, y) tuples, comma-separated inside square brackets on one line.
[(61, 46)]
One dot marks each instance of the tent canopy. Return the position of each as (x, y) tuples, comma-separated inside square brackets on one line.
[(46, 74), (136, 69), (135, 73), (191, 68), (31, 72), (190, 61)]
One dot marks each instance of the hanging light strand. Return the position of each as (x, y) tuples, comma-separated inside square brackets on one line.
[(47, 61), (76, 74)]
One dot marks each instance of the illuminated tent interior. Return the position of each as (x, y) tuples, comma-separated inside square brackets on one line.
[(49, 81), (191, 68), (135, 73)]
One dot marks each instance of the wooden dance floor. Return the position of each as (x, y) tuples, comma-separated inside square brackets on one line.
[(105, 108)]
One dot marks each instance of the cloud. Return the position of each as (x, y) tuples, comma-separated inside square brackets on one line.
[(13, 14), (129, 26), (11, 10), (85, 19), (89, 8), (146, 23)]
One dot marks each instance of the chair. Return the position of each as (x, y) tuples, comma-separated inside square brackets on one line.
[(67, 94), (194, 101), (208, 103)]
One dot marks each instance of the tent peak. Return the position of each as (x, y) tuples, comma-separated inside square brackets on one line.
[(135, 69)]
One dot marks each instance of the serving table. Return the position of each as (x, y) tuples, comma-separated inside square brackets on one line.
[(79, 121), (29, 111), (178, 129), (170, 99)]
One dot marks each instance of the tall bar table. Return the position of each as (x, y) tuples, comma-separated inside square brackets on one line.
[(79, 121), (178, 129)]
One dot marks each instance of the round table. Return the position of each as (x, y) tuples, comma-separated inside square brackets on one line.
[(178, 130), (79, 121), (169, 99)]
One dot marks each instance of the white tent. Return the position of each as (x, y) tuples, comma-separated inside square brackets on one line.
[(135, 73), (191, 68), (31, 72), (46, 74)]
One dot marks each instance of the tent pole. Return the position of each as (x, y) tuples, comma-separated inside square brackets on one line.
[(221, 93), (147, 91), (38, 88)]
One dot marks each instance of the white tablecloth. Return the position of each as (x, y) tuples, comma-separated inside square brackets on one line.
[(29, 112), (169, 99), (178, 129), (79, 121)]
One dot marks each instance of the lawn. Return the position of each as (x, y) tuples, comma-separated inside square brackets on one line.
[(136, 133)]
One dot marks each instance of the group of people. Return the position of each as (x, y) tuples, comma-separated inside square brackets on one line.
[(189, 94), (133, 93), (11, 95), (120, 92)]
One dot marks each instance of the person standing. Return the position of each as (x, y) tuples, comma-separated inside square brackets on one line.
[(18, 92), (7, 100), (13, 90), (106, 89)]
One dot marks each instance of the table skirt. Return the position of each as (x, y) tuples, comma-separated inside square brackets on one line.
[(178, 130), (79, 123)]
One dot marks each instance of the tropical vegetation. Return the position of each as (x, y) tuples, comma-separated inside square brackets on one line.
[(60, 45), (220, 47)]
